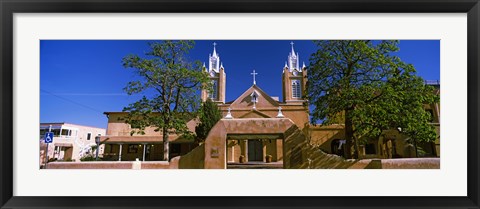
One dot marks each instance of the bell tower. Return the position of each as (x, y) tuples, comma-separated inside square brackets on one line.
[(217, 76), (294, 79)]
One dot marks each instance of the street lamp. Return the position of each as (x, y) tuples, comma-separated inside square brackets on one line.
[(97, 140)]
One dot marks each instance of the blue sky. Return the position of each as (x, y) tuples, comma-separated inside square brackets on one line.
[(81, 79)]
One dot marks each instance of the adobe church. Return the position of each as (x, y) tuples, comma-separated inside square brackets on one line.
[(256, 103), (248, 126)]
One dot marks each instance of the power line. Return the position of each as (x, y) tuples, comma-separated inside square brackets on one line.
[(74, 102)]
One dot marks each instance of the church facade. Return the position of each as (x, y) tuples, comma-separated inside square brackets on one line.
[(254, 103)]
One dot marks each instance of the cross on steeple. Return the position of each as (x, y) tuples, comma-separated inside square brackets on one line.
[(214, 49), (293, 51), (254, 82)]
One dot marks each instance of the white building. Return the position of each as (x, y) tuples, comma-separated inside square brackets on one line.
[(70, 142)]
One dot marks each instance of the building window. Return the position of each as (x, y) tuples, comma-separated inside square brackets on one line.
[(214, 92), (66, 132), (254, 96), (296, 89), (89, 136), (43, 131), (56, 132), (133, 148)]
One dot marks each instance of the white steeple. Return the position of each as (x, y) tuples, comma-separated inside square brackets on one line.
[(214, 61), (214, 51), (293, 60)]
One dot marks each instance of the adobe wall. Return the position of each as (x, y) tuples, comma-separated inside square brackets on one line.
[(322, 136), (297, 113), (118, 127), (192, 160), (322, 161), (113, 165)]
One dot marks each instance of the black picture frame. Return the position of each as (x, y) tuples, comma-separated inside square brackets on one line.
[(10, 7)]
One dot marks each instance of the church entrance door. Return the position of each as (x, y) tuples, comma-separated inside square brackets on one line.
[(255, 150)]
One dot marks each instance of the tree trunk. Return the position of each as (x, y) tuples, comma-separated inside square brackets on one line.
[(166, 150), (357, 150), (348, 135)]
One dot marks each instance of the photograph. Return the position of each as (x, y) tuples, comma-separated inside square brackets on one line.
[(239, 104)]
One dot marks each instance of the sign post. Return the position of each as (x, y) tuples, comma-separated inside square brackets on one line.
[(48, 139), (97, 141)]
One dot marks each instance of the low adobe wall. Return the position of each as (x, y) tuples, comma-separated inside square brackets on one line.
[(112, 165), (321, 161), (90, 165), (192, 160), (411, 163)]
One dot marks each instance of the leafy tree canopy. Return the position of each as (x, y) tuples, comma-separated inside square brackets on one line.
[(363, 85), (169, 84)]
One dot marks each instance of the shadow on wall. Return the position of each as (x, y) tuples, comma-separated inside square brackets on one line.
[(302, 155), (194, 159)]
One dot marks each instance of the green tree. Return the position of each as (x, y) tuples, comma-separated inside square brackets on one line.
[(400, 107), (365, 86), (209, 116), (169, 84)]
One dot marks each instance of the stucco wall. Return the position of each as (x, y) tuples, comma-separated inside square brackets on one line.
[(296, 113), (117, 127), (193, 160), (323, 162)]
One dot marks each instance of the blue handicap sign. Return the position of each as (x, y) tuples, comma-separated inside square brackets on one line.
[(49, 137)]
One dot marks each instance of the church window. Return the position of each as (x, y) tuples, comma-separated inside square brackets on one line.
[(254, 96), (214, 92), (296, 89)]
